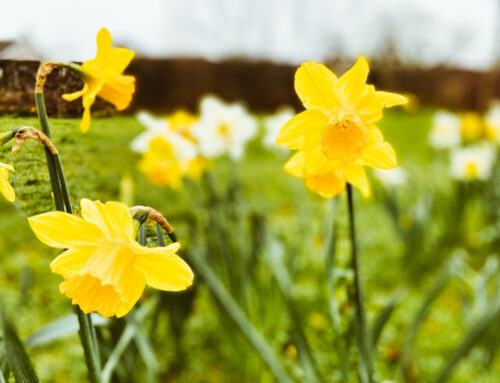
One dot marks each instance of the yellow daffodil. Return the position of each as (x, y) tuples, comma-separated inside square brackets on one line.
[(103, 77), (161, 165), (337, 130), (181, 122), (5, 188), (324, 177), (104, 268), (472, 126)]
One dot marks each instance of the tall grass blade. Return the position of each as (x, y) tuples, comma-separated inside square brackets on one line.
[(255, 338), (470, 339), (17, 357), (286, 288)]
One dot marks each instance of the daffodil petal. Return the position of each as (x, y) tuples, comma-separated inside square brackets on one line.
[(112, 217), (85, 122), (73, 96), (350, 85), (356, 176), (71, 260), (163, 269), (317, 163), (327, 185), (119, 58), (296, 164), (5, 187), (63, 230), (388, 99), (379, 156), (303, 130), (103, 45), (314, 85)]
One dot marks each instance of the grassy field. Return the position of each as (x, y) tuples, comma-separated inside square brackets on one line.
[(404, 250)]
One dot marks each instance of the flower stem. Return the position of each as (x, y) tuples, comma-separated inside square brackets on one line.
[(54, 179), (62, 201), (356, 298), (341, 340)]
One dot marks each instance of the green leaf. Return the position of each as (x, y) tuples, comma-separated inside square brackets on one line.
[(383, 317), (59, 329), (282, 277), (440, 282), (17, 357)]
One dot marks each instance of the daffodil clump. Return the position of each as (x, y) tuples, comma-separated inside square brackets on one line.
[(180, 145), (102, 76), (104, 269), (471, 139), (169, 150), (336, 135)]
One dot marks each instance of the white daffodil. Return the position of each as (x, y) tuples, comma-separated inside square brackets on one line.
[(223, 128), (445, 131), (473, 162), (155, 127), (273, 125), (391, 178), (492, 120)]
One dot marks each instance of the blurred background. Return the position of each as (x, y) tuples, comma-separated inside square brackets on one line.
[(445, 52)]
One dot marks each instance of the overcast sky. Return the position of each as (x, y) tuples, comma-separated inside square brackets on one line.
[(456, 32)]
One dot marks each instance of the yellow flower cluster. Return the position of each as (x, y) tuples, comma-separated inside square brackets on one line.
[(169, 150), (336, 135)]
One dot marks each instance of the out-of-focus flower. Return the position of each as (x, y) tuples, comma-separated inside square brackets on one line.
[(337, 135), (274, 123), (102, 76), (445, 131), (155, 127), (104, 268), (179, 123), (492, 122), (471, 126), (161, 165), (182, 122), (223, 128), (5, 187), (472, 162), (391, 178)]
